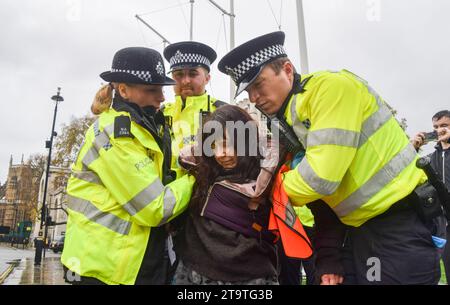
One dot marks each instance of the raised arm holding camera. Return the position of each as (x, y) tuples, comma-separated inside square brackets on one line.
[(440, 160), (441, 133)]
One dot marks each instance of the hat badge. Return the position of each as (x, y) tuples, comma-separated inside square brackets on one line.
[(159, 68), (178, 56)]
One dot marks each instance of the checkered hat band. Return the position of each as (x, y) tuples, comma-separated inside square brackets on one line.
[(144, 75), (181, 58), (255, 60)]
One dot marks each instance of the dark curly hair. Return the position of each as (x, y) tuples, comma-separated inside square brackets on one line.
[(207, 171)]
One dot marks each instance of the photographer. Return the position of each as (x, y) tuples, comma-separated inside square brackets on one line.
[(440, 161)]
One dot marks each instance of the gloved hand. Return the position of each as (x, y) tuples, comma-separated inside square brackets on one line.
[(186, 158)]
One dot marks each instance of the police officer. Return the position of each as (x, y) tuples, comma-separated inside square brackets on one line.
[(39, 245), (190, 64), (121, 190), (358, 161)]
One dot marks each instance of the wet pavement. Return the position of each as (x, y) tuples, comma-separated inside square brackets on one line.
[(17, 267), (50, 272)]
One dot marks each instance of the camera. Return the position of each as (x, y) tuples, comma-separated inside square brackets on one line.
[(430, 136)]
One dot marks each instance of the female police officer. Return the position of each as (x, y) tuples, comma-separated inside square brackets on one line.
[(121, 190)]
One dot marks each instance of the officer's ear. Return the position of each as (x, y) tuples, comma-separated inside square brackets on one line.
[(289, 69), (207, 74), (123, 90)]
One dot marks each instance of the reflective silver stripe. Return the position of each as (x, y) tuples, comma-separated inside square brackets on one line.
[(96, 127), (144, 198), (374, 123), (333, 136), (319, 185), (290, 215), (319, 137), (377, 119), (92, 213), (87, 176), (100, 140), (169, 205), (299, 129), (378, 181), (90, 156)]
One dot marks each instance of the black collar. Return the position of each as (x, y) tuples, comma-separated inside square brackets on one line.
[(298, 86), (439, 147), (142, 116), (136, 112), (152, 112)]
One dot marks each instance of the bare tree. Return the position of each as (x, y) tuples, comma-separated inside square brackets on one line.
[(37, 163), (66, 148), (402, 122), (69, 142)]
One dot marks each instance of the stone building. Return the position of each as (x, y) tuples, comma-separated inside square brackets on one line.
[(55, 202), (17, 204)]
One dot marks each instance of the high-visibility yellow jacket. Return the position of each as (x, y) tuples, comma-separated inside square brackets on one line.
[(115, 198), (303, 212), (185, 120), (358, 158), (305, 215)]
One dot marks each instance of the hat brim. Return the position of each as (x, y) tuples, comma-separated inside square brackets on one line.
[(243, 84), (248, 80), (188, 66), (122, 77)]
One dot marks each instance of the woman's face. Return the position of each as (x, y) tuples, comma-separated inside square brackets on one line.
[(224, 154), (143, 95)]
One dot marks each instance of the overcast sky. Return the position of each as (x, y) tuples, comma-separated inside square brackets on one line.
[(401, 47)]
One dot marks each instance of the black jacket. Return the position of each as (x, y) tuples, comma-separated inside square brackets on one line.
[(440, 161), (329, 237), (225, 249)]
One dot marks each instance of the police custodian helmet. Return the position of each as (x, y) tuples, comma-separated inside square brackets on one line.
[(189, 54), (138, 65), (244, 63)]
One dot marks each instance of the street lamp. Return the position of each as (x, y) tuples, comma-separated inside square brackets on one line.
[(15, 202), (48, 144)]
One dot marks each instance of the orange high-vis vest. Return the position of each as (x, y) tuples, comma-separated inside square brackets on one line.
[(284, 222)]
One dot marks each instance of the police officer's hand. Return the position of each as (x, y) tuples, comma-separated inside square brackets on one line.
[(444, 135), (418, 140), (331, 279)]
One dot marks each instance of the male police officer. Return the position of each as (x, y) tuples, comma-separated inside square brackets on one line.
[(190, 64), (358, 161)]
